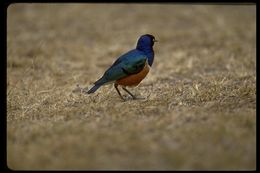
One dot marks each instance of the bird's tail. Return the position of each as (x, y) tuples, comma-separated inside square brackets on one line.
[(97, 85), (94, 88)]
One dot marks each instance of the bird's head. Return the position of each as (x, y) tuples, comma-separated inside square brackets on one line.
[(146, 41)]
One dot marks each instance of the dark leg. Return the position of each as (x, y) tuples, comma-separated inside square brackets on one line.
[(129, 92), (115, 85)]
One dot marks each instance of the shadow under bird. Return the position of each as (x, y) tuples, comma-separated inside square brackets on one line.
[(130, 68)]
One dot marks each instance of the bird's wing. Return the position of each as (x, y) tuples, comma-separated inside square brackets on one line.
[(127, 64)]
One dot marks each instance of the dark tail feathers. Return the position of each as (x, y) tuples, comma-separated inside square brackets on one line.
[(93, 89)]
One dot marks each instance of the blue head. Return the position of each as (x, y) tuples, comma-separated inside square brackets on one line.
[(145, 43)]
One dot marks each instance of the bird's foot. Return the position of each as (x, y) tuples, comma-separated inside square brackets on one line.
[(139, 98), (128, 98)]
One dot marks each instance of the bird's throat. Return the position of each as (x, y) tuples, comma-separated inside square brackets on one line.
[(148, 51)]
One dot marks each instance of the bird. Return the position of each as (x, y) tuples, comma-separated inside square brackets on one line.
[(130, 68)]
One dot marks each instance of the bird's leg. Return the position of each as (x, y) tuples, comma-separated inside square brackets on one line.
[(129, 92), (115, 85)]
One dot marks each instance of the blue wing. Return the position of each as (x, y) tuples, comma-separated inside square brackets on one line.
[(130, 63)]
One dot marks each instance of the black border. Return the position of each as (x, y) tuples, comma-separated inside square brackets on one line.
[(3, 33), (3, 68)]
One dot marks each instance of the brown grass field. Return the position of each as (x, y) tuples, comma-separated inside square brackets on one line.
[(199, 106)]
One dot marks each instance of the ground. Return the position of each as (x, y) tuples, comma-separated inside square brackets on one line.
[(199, 106)]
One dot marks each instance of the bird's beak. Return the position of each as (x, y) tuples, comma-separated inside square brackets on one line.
[(156, 41)]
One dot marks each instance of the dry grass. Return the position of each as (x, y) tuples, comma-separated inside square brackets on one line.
[(200, 106)]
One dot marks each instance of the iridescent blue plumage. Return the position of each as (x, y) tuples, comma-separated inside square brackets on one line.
[(130, 63), (145, 45)]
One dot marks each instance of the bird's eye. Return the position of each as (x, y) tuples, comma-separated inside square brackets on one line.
[(154, 40)]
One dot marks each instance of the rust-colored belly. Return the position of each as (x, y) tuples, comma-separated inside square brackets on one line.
[(134, 79)]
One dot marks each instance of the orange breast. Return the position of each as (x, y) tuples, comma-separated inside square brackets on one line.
[(134, 79)]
